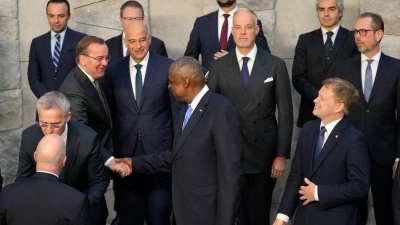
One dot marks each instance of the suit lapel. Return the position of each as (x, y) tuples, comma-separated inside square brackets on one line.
[(312, 141), (333, 138), (355, 77), (119, 49), (67, 45), (72, 150), (319, 46), (381, 75), (150, 74), (193, 120), (214, 29), (47, 49), (234, 78), (126, 76), (340, 37)]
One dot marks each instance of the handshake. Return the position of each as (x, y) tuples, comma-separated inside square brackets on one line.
[(123, 167)]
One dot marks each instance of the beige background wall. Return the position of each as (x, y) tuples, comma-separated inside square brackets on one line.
[(172, 21)]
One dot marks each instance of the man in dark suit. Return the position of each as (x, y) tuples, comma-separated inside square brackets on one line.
[(206, 160), (84, 169), (52, 55), (314, 62), (205, 38), (1, 181), (376, 114), (88, 102), (257, 83), (144, 109), (129, 11), (330, 168), (43, 199)]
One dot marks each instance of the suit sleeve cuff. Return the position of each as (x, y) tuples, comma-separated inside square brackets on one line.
[(316, 193), (108, 161), (282, 217)]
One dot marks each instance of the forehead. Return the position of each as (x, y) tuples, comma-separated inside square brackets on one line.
[(50, 114), (97, 48), (327, 4), (57, 8), (243, 18), (326, 91), (136, 32), (132, 12), (363, 23)]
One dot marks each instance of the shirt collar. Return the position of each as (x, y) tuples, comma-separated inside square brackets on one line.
[(329, 127), (61, 33), (376, 57), (144, 62), (64, 134), (221, 13), (252, 54), (334, 30), (42, 171), (198, 97), (90, 77)]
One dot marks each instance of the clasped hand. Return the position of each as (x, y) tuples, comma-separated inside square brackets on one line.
[(123, 167)]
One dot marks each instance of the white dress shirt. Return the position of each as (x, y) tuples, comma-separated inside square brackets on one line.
[(133, 71), (334, 35), (252, 55), (221, 20), (198, 97), (54, 40)]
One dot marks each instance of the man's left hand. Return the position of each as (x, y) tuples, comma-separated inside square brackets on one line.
[(278, 167), (307, 192)]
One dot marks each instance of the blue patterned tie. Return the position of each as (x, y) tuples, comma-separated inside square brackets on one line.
[(368, 80), (138, 84), (319, 144), (187, 116), (245, 71), (57, 52)]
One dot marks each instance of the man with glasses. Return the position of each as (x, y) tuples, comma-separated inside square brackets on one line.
[(83, 170), (317, 54), (144, 112), (130, 11), (51, 56), (377, 77)]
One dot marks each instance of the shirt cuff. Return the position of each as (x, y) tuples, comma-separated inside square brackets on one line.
[(282, 217), (109, 160), (397, 159), (316, 193)]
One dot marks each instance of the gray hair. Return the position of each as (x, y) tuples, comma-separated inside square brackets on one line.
[(249, 10), (54, 100), (189, 67), (340, 4)]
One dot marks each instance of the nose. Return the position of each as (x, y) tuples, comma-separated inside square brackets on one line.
[(326, 12)]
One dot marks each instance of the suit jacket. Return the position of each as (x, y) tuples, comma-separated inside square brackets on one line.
[(83, 170), (310, 67), (114, 45), (342, 173), (153, 120), (87, 108), (265, 137), (377, 117), (206, 164), (204, 39), (43, 199), (41, 75), (1, 181)]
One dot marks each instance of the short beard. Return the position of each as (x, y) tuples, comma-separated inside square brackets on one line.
[(228, 4)]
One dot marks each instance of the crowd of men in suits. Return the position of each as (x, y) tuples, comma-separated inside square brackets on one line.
[(204, 143)]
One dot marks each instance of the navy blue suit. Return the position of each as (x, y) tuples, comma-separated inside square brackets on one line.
[(204, 39), (143, 130), (41, 75), (341, 172), (378, 120)]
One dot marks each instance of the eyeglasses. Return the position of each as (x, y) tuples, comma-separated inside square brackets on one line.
[(129, 19), (361, 32), (52, 125), (100, 58)]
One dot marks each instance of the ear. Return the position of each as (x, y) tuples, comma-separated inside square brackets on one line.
[(149, 39), (185, 82), (125, 42), (68, 117), (257, 29), (34, 156), (82, 60), (378, 35), (63, 161), (339, 107)]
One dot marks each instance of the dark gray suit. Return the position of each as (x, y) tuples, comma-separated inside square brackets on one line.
[(265, 136)]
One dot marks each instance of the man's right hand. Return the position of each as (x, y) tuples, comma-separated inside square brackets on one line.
[(121, 167), (279, 222)]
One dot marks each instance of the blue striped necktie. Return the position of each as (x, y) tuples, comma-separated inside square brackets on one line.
[(368, 80), (57, 52)]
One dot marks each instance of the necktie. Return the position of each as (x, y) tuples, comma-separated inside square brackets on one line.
[(127, 52), (98, 89), (223, 38), (56, 53), (138, 84), (328, 45), (187, 116), (245, 71), (319, 144), (368, 80)]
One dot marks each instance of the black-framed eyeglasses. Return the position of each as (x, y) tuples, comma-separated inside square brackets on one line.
[(129, 19), (361, 32), (52, 125), (100, 58)]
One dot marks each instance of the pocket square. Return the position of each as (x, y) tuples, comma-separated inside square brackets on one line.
[(269, 79)]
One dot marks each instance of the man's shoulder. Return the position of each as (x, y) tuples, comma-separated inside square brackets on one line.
[(115, 39), (208, 16), (30, 131), (77, 34), (82, 130), (160, 59), (41, 37)]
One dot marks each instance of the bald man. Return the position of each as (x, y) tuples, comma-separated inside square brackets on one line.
[(143, 110), (40, 196)]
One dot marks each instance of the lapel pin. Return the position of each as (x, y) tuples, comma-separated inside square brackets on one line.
[(200, 110), (337, 136)]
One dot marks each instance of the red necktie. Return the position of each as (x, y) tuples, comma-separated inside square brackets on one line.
[(223, 40)]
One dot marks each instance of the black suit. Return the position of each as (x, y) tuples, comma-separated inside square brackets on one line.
[(310, 67), (41, 75), (87, 108), (43, 199), (341, 172), (265, 136), (377, 120), (206, 164), (204, 40), (83, 170), (1, 181), (114, 45)]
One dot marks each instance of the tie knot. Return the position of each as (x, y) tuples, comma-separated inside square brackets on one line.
[(329, 33), (138, 66), (226, 16), (245, 60), (370, 61), (323, 130)]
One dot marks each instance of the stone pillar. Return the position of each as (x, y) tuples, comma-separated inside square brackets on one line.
[(10, 90)]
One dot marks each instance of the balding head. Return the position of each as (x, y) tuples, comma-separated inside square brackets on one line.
[(50, 154), (137, 39)]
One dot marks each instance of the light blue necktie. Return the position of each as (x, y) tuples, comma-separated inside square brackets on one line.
[(57, 52), (187, 116), (138, 84), (319, 144), (368, 80)]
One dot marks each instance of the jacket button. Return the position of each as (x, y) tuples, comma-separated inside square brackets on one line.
[(367, 110)]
